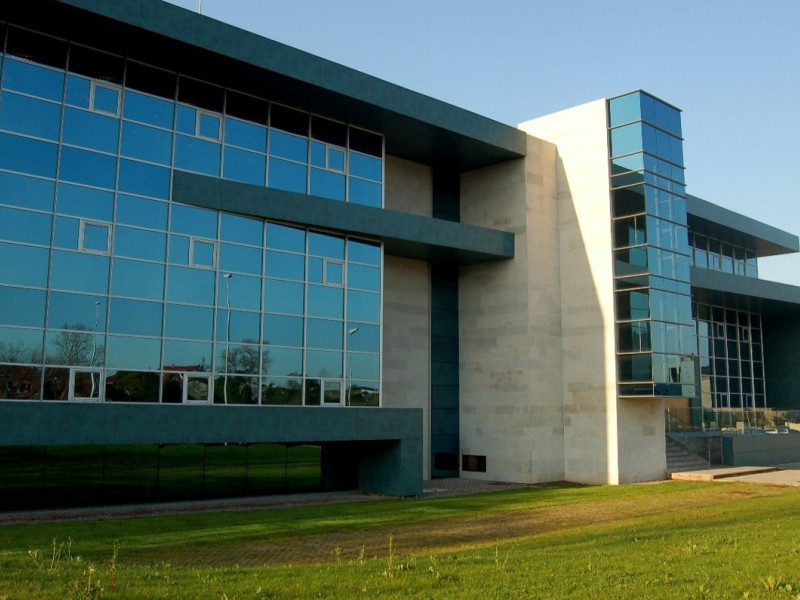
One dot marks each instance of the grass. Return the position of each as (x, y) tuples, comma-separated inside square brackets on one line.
[(671, 540)]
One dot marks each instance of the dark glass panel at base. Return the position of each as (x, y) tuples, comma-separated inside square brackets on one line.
[(132, 386), (56, 384), (19, 382), (281, 391), (363, 393), (235, 390)]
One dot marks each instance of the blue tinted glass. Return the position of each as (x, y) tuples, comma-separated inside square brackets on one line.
[(190, 322), (140, 178), (246, 135), (28, 115), (106, 99), (286, 238), (80, 272), (84, 202), (283, 361), (90, 168), (146, 143), (284, 175), (76, 311), (366, 193), (237, 326), (199, 156), (147, 109), (626, 140), (25, 226), (195, 286), (21, 345), (209, 126), (21, 307), (187, 119), (137, 279), (96, 237), (74, 349), (192, 354), (315, 267), (202, 253), (33, 79), (364, 252), (239, 291), (285, 266), (334, 273), (288, 146), (318, 154), (363, 306), (327, 184), (362, 277), (326, 301), (179, 250), (283, 297), (78, 91), (139, 211), (280, 330), (247, 167), (367, 338), (133, 353), (632, 162), (365, 166), (320, 363), (624, 109), (90, 130), (138, 243), (324, 334), (648, 104), (234, 258), (649, 139), (320, 244), (27, 192), (135, 317), (67, 232), (365, 366), (27, 155), (23, 265), (336, 159), (194, 221), (241, 229)]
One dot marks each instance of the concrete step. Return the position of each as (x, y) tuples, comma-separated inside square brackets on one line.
[(681, 459)]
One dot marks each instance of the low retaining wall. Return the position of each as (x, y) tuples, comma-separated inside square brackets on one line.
[(761, 450)]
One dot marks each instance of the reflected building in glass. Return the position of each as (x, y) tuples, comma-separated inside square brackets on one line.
[(210, 237)]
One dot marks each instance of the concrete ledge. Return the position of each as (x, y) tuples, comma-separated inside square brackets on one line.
[(721, 473)]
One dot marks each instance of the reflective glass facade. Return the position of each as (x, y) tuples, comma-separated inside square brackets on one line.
[(718, 255), (731, 357), (656, 345), (112, 292)]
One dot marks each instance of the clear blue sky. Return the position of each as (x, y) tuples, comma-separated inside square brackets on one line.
[(732, 66)]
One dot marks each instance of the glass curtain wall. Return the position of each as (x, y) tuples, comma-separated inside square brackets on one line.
[(112, 292), (718, 255), (656, 345)]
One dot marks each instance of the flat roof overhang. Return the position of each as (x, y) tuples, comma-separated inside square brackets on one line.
[(403, 234), (417, 127), (718, 222), (769, 298)]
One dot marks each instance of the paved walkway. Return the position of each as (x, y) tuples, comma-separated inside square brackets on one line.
[(788, 474)]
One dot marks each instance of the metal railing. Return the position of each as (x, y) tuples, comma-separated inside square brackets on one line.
[(732, 421)]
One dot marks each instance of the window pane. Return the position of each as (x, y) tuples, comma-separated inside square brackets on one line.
[(239, 291), (241, 229), (78, 91), (90, 168), (288, 146), (195, 286), (27, 155), (30, 116), (286, 238), (132, 210), (106, 99), (246, 135), (132, 386), (138, 279), (366, 193), (285, 265), (189, 322), (365, 166), (25, 226), (155, 111), (74, 348), (363, 277), (22, 307), (138, 243), (325, 301), (76, 311), (284, 175), (283, 361), (27, 192), (237, 326), (146, 143), (133, 353), (199, 156), (283, 297), (194, 221), (33, 79), (23, 265), (196, 355), (626, 140), (367, 338), (209, 126), (280, 330), (363, 306), (281, 391), (327, 184), (329, 246), (90, 130), (320, 363), (240, 258), (140, 178), (365, 366), (324, 334), (135, 317), (84, 202), (96, 237), (247, 167), (79, 271), (364, 252)]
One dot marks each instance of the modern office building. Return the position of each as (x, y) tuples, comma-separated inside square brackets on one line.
[(210, 237)]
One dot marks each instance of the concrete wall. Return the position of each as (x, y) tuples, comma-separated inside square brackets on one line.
[(510, 324), (408, 186), (760, 450), (589, 377)]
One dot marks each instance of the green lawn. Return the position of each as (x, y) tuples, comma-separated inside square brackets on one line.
[(669, 540)]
